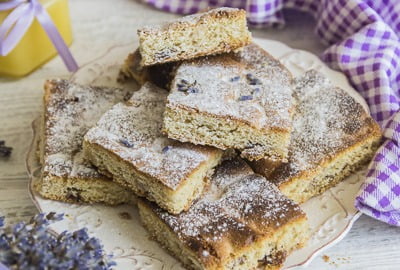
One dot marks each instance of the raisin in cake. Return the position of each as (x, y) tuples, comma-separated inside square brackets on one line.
[(160, 75), (218, 30), (127, 142), (241, 222), (241, 100), (332, 137), (69, 111)]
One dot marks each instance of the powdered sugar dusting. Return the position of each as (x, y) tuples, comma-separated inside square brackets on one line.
[(238, 207), (70, 110), (133, 132), (326, 121), (249, 86)]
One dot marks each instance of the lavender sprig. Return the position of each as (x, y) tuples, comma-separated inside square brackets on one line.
[(33, 246)]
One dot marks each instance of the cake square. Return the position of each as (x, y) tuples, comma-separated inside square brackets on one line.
[(216, 31), (332, 137), (69, 111), (242, 221), (127, 142), (240, 100), (160, 75)]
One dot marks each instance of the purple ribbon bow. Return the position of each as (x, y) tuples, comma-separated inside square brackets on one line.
[(18, 22)]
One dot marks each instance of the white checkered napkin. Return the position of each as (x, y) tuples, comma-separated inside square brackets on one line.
[(364, 43)]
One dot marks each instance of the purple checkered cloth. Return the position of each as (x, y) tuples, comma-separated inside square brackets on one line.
[(364, 43)]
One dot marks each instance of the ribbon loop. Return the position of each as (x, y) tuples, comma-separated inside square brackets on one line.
[(10, 4), (14, 27)]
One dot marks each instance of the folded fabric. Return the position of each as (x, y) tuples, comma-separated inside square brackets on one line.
[(364, 43)]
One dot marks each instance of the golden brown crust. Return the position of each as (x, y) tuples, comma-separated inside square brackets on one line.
[(182, 39), (244, 90), (83, 191), (329, 125), (224, 79), (160, 176), (236, 118), (194, 20), (127, 141), (131, 132), (69, 111), (239, 211), (371, 144)]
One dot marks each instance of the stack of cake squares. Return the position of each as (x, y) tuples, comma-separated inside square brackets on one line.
[(218, 147)]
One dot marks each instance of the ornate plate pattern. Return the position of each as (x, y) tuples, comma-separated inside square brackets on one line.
[(331, 214)]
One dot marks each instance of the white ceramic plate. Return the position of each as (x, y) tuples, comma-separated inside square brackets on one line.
[(331, 214)]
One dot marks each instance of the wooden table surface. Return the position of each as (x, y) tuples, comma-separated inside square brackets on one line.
[(100, 24)]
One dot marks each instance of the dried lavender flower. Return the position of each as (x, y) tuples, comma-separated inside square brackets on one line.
[(234, 79), (5, 151), (252, 80), (126, 143), (250, 76), (33, 246), (185, 81), (244, 98), (166, 149), (192, 90), (186, 87), (256, 90)]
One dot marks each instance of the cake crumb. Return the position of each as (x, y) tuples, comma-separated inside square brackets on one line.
[(326, 258)]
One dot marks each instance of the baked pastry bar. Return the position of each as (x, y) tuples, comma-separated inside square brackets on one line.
[(160, 75), (127, 142), (241, 100), (241, 222), (69, 111), (332, 137), (218, 30)]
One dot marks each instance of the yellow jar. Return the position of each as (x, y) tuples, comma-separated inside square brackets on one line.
[(35, 48)]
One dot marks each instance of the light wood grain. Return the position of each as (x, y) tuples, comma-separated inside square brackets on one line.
[(100, 24)]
